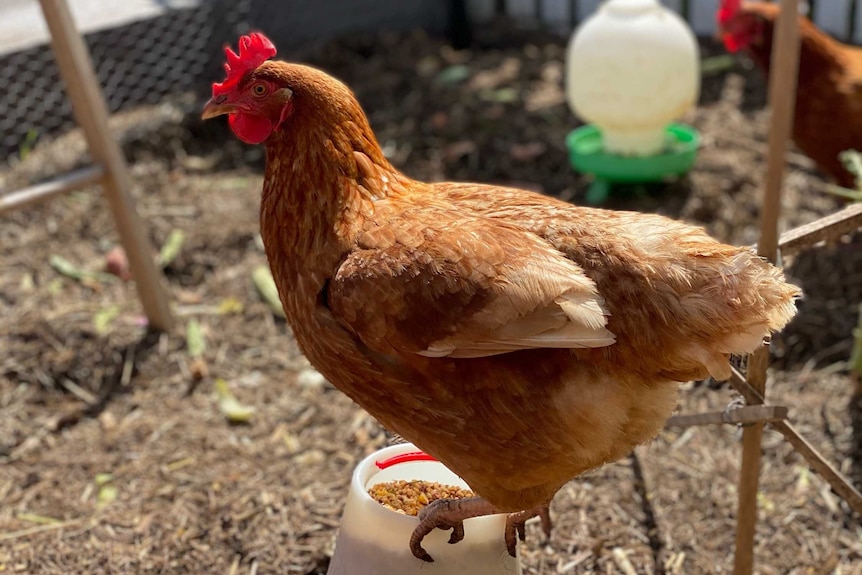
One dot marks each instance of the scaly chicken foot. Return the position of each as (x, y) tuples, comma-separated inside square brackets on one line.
[(446, 514), (517, 522), (451, 513)]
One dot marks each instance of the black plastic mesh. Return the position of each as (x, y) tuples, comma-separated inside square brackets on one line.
[(180, 50), (137, 63)]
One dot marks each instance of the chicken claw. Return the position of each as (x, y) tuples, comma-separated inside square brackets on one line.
[(518, 521), (446, 514), (451, 513)]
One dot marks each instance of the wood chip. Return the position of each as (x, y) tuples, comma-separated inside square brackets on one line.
[(622, 561)]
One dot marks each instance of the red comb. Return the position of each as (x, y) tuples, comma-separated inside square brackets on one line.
[(254, 50), (728, 9)]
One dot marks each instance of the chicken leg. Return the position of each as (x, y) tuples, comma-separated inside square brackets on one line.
[(451, 513)]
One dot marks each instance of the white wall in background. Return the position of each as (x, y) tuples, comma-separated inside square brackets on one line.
[(831, 15), (586, 7), (22, 25), (857, 37), (556, 10)]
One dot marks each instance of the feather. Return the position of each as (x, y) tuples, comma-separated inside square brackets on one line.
[(518, 339)]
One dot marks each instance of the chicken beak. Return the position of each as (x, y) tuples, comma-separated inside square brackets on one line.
[(217, 106)]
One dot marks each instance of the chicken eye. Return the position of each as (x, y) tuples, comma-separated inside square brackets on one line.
[(259, 89)]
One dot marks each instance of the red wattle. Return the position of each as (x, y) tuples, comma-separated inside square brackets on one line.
[(249, 128)]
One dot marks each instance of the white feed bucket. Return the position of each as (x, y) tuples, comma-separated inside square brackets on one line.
[(374, 540)]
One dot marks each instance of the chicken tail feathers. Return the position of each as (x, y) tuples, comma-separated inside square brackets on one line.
[(759, 302)]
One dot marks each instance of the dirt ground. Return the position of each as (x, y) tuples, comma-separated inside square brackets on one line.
[(85, 391)]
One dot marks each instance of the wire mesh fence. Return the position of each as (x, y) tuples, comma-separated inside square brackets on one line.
[(136, 63), (180, 50)]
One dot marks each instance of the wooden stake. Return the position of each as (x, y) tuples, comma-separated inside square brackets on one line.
[(827, 228), (40, 192), (782, 99), (91, 112), (840, 484), (740, 415)]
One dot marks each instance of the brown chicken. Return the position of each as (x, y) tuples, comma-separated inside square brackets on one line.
[(828, 114), (518, 339)]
